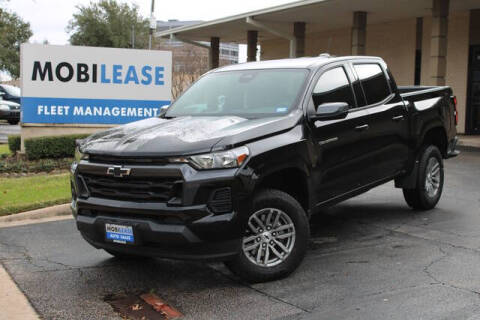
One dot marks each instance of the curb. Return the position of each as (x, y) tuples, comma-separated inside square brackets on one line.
[(13, 303), (58, 210), (468, 148)]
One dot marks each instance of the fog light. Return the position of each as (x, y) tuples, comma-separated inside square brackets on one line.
[(221, 200)]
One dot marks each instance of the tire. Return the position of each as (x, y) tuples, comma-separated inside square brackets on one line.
[(13, 122), (430, 181), (278, 210)]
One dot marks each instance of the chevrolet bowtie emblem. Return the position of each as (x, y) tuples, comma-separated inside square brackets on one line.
[(118, 171)]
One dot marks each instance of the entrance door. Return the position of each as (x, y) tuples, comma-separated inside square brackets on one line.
[(473, 100)]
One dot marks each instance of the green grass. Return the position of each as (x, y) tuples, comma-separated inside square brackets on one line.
[(4, 149), (34, 192)]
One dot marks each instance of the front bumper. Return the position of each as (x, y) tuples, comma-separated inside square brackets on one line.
[(10, 115), (185, 228), (162, 240)]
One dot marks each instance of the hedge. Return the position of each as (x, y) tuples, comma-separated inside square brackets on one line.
[(14, 143), (52, 147)]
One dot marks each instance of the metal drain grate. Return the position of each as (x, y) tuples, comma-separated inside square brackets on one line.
[(146, 306)]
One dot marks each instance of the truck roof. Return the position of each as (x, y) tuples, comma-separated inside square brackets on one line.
[(295, 63)]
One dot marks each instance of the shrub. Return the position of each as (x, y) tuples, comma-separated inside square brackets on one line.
[(52, 147), (14, 143), (13, 165)]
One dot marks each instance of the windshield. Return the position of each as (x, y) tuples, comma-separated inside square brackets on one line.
[(247, 93), (11, 90)]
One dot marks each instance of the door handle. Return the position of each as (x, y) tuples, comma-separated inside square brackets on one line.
[(398, 118), (362, 127)]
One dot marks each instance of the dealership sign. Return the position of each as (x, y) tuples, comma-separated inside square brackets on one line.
[(90, 85)]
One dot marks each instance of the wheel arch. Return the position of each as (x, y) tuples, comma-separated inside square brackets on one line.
[(291, 180), (437, 136), (434, 135)]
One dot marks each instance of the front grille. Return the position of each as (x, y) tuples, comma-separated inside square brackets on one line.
[(95, 158), (148, 189), (161, 218)]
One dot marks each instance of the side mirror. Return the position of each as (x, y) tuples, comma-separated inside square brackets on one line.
[(331, 111), (163, 110)]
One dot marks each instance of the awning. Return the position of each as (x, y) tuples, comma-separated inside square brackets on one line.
[(319, 15)]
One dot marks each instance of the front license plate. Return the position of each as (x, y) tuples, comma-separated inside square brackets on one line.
[(119, 233)]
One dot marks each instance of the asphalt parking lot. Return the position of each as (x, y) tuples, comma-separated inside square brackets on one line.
[(370, 258), (7, 129)]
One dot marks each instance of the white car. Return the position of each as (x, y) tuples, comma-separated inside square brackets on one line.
[(9, 110)]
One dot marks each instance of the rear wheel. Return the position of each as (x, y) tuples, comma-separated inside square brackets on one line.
[(13, 122), (275, 238), (430, 181)]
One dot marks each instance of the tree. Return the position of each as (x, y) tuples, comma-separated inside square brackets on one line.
[(13, 32), (189, 63), (108, 24)]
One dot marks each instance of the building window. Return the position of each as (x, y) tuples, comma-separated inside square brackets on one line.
[(418, 66)]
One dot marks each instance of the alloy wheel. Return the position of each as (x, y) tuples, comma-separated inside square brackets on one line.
[(269, 238), (432, 178)]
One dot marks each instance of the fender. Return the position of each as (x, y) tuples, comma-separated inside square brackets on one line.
[(409, 181), (433, 125), (286, 151)]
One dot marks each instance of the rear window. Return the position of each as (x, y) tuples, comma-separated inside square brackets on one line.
[(373, 81)]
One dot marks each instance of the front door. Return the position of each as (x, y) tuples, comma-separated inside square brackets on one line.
[(337, 169), (473, 99)]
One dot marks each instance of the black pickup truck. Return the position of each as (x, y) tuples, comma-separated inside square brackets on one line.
[(235, 167)]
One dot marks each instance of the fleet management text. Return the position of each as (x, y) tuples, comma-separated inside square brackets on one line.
[(49, 110)]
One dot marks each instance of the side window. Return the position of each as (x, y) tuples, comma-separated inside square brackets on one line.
[(333, 86), (373, 81)]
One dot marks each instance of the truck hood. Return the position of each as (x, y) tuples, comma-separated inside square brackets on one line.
[(158, 137)]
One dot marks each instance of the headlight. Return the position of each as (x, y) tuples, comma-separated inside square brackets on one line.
[(80, 155), (4, 107), (218, 160)]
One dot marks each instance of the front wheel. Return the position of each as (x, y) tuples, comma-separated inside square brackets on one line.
[(275, 239), (430, 181), (13, 122)]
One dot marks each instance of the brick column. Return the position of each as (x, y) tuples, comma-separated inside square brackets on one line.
[(299, 33), (252, 38), (214, 54), (438, 42), (359, 33)]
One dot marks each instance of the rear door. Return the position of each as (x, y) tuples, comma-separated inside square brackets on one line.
[(337, 168), (385, 143)]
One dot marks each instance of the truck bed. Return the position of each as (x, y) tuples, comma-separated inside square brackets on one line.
[(408, 91), (429, 102)]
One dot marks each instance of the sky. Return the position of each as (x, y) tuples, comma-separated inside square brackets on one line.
[(49, 18)]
